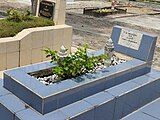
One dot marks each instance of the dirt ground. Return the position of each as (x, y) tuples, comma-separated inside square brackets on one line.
[(95, 31)]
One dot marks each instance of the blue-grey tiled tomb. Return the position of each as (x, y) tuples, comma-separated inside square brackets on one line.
[(134, 43), (113, 92)]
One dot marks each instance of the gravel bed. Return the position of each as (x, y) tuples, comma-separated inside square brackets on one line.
[(53, 78)]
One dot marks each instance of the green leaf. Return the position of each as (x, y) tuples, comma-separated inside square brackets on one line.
[(75, 64)]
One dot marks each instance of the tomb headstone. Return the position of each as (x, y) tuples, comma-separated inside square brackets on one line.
[(52, 9), (46, 9), (134, 43)]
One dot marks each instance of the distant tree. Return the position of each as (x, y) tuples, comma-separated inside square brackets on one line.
[(34, 6)]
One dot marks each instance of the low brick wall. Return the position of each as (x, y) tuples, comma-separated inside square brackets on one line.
[(25, 48)]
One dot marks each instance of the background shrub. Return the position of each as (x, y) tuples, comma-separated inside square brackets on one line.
[(17, 15), (17, 21)]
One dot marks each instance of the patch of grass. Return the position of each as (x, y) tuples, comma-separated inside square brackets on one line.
[(9, 28)]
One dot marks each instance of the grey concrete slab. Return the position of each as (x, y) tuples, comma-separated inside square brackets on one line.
[(80, 109), (138, 116), (152, 109)]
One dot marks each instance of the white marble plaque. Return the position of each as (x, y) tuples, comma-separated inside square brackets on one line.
[(130, 39)]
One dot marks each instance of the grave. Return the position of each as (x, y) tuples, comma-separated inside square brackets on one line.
[(25, 47), (110, 93), (101, 12)]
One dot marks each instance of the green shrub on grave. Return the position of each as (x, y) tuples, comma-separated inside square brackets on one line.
[(75, 64)]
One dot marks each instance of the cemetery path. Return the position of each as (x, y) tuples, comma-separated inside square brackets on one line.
[(5, 4)]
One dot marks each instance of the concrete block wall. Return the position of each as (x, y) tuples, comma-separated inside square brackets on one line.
[(9, 52), (59, 12), (26, 47)]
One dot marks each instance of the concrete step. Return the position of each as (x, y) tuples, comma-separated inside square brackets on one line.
[(147, 112), (135, 93), (113, 103)]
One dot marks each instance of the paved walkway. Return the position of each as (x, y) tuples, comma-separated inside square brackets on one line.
[(146, 21), (21, 1)]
